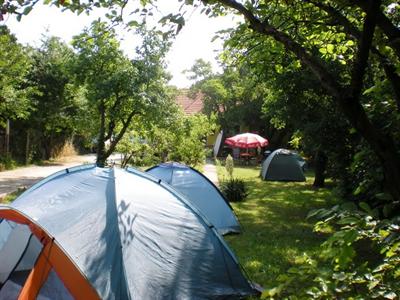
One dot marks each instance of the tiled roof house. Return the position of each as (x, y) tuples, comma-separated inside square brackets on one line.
[(190, 105), (193, 106)]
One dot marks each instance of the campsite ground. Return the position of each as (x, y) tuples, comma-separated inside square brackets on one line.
[(276, 232)]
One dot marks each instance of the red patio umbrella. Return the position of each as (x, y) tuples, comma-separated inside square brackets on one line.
[(246, 140)]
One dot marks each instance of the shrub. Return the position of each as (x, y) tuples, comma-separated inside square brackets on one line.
[(7, 163), (359, 260), (209, 152), (234, 189), (218, 163), (229, 165), (66, 149)]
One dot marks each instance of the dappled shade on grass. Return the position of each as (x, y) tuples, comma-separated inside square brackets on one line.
[(275, 228)]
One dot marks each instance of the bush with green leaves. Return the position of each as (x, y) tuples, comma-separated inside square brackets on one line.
[(190, 139), (7, 163), (180, 138), (218, 163), (359, 260), (229, 165), (234, 189)]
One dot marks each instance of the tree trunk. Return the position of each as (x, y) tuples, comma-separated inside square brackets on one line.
[(27, 146), (391, 169), (118, 137), (101, 151), (320, 162), (46, 147), (380, 143), (101, 147), (394, 78), (7, 142), (126, 159)]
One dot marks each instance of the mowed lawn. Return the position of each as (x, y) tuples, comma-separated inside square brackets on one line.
[(274, 224)]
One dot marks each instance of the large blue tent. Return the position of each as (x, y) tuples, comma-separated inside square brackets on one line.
[(201, 193), (108, 233)]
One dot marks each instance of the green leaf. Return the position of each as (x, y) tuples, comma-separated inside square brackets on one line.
[(314, 291), (349, 206), (365, 207), (370, 90), (383, 233), (272, 292), (388, 209), (322, 50), (393, 250), (383, 197), (339, 276), (358, 190), (352, 130), (348, 220), (297, 64), (27, 10), (330, 48), (396, 273), (373, 284), (279, 69), (133, 23), (346, 256), (351, 236), (390, 295), (324, 286), (315, 212)]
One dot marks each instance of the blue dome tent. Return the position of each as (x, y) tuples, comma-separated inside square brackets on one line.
[(200, 192), (283, 165)]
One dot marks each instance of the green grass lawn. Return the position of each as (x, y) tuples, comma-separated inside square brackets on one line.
[(275, 228)]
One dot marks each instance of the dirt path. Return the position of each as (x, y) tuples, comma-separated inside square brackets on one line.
[(10, 181), (210, 171)]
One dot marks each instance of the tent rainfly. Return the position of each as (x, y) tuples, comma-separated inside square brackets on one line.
[(283, 165), (201, 192), (108, 233)]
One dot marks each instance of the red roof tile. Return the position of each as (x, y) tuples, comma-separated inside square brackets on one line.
[(190, 105)]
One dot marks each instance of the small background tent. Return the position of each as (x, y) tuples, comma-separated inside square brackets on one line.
[(283, 165), (201, 192), (99, 233)]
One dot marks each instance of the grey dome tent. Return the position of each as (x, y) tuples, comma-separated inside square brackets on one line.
[(201, 192), (283, 165), (99, 233)]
